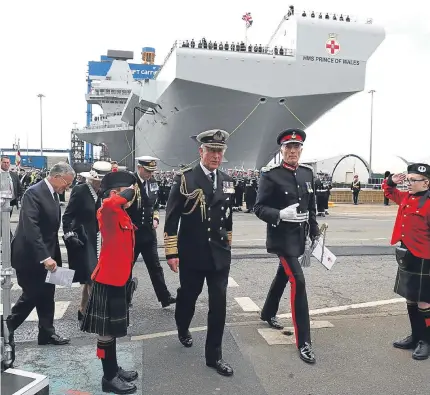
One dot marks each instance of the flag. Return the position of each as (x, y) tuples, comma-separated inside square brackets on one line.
[(248, 19), (18, 158)]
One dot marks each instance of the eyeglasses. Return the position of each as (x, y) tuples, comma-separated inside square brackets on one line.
[(413, 181)]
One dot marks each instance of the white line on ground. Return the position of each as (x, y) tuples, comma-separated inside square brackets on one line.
[(16, 287), (247, 304), (349, 307), (232, 283), (60, 309)]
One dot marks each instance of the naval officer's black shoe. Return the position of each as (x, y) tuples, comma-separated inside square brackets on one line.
[(273, 322), (118, 386), (127, 375), (185, 339), (422, 351), (408, 343), (170, 300), (306, 354), (221, 367)]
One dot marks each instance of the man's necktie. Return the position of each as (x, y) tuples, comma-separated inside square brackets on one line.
[(212, 176), (56, 197)]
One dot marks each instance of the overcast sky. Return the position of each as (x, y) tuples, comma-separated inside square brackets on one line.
[(46, 45)]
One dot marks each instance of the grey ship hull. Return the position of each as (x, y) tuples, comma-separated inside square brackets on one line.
[(205, 107)]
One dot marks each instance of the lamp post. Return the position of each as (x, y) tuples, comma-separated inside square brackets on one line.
[(40, 96), (371, 132)]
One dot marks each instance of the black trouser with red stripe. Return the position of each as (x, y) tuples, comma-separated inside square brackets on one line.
[(290, 270)]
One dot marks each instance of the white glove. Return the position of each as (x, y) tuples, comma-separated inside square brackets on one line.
[(289, 214)]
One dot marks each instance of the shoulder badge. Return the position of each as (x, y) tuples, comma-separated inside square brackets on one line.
[(268, 168), (306, 166)]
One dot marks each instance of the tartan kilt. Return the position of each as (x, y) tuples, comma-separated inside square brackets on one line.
[(107, 311), (413, 282)]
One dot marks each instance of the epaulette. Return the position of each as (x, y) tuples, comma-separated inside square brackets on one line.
[(268, 168), (307, 166), (182, 171)]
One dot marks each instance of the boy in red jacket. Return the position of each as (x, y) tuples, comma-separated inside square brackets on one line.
[(107, 310)]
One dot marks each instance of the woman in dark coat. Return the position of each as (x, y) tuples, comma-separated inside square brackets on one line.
[(81, 229)]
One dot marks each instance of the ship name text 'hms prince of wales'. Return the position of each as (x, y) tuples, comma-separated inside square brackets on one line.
[(323, 59)]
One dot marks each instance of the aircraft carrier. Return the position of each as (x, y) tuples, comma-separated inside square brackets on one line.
[(251, 94)]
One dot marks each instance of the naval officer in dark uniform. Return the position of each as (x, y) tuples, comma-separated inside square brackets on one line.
[(145, 216), (286, 201), (202, 199)]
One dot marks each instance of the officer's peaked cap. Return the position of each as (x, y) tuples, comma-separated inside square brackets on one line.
[(423, 169), (215, 138), (117, 179), (148, 162), (98, 170), (291, 136)]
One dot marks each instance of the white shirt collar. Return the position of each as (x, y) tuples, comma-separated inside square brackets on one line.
[(51, 189), (3, 171), (207, 172)]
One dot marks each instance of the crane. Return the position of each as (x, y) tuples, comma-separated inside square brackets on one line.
[(284, 18)]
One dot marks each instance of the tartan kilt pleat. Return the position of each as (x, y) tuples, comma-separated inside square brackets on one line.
[(413, 282), (107, 311)]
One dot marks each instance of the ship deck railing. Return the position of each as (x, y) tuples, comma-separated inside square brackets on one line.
[(107, 126), (261, 50)]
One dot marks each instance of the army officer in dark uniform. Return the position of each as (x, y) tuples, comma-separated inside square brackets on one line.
[(286, 201), (144, 214), (202, 198)]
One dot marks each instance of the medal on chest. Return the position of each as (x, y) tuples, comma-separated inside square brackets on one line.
[(227, 187)]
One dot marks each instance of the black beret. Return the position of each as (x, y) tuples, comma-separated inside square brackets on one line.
[(423, 169), (117, 179), (291, 136), (387, 173)]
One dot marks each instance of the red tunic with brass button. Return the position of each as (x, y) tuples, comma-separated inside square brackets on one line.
[(412, 225), (117, 251)]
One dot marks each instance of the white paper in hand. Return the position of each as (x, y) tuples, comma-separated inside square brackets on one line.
[(62, 276), (327, 259)]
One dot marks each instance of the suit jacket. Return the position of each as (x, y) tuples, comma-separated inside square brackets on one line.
[(17, 188), (144, 215), (281, 187), (117, 252), (205, 234), (80, 216), (36, 237)]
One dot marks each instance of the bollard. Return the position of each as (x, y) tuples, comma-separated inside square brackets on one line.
[(7, 357)]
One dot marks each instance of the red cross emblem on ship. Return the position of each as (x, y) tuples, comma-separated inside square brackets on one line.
[(332, 46)]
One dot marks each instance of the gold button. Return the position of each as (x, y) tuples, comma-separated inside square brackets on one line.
[(403, 235), (222, 208), (222, 218), (209, 229), (222, 238), (209, 219), (220, 228), (403, 225), (209, 208), (407, 205), (209, 239), (405, 214)]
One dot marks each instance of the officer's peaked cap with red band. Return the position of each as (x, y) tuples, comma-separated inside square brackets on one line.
[(423, 169), (291, 136)]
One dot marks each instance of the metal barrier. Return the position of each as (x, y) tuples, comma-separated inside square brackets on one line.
[(7, 354)]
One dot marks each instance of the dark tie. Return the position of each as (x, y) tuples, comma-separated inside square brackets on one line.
[(212, 176), (56, 197)]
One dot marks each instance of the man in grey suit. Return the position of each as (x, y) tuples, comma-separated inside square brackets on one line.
[(35, 250), (15, 184)]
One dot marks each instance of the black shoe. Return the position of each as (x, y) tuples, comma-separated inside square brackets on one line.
[(127, 375), (118, 386), (170, 300), (306, 354), (327, 213), (422, 351), (186, 339), (54, 339), (221, 367), (408, 343), (273, 322)]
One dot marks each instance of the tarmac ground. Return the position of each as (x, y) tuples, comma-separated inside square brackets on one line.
[(355, 317)]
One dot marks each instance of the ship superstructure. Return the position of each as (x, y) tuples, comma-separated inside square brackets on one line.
[(112, 82)]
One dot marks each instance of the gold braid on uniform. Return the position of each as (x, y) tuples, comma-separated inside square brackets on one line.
[(137, 196), (197, 194), (170, 244)]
